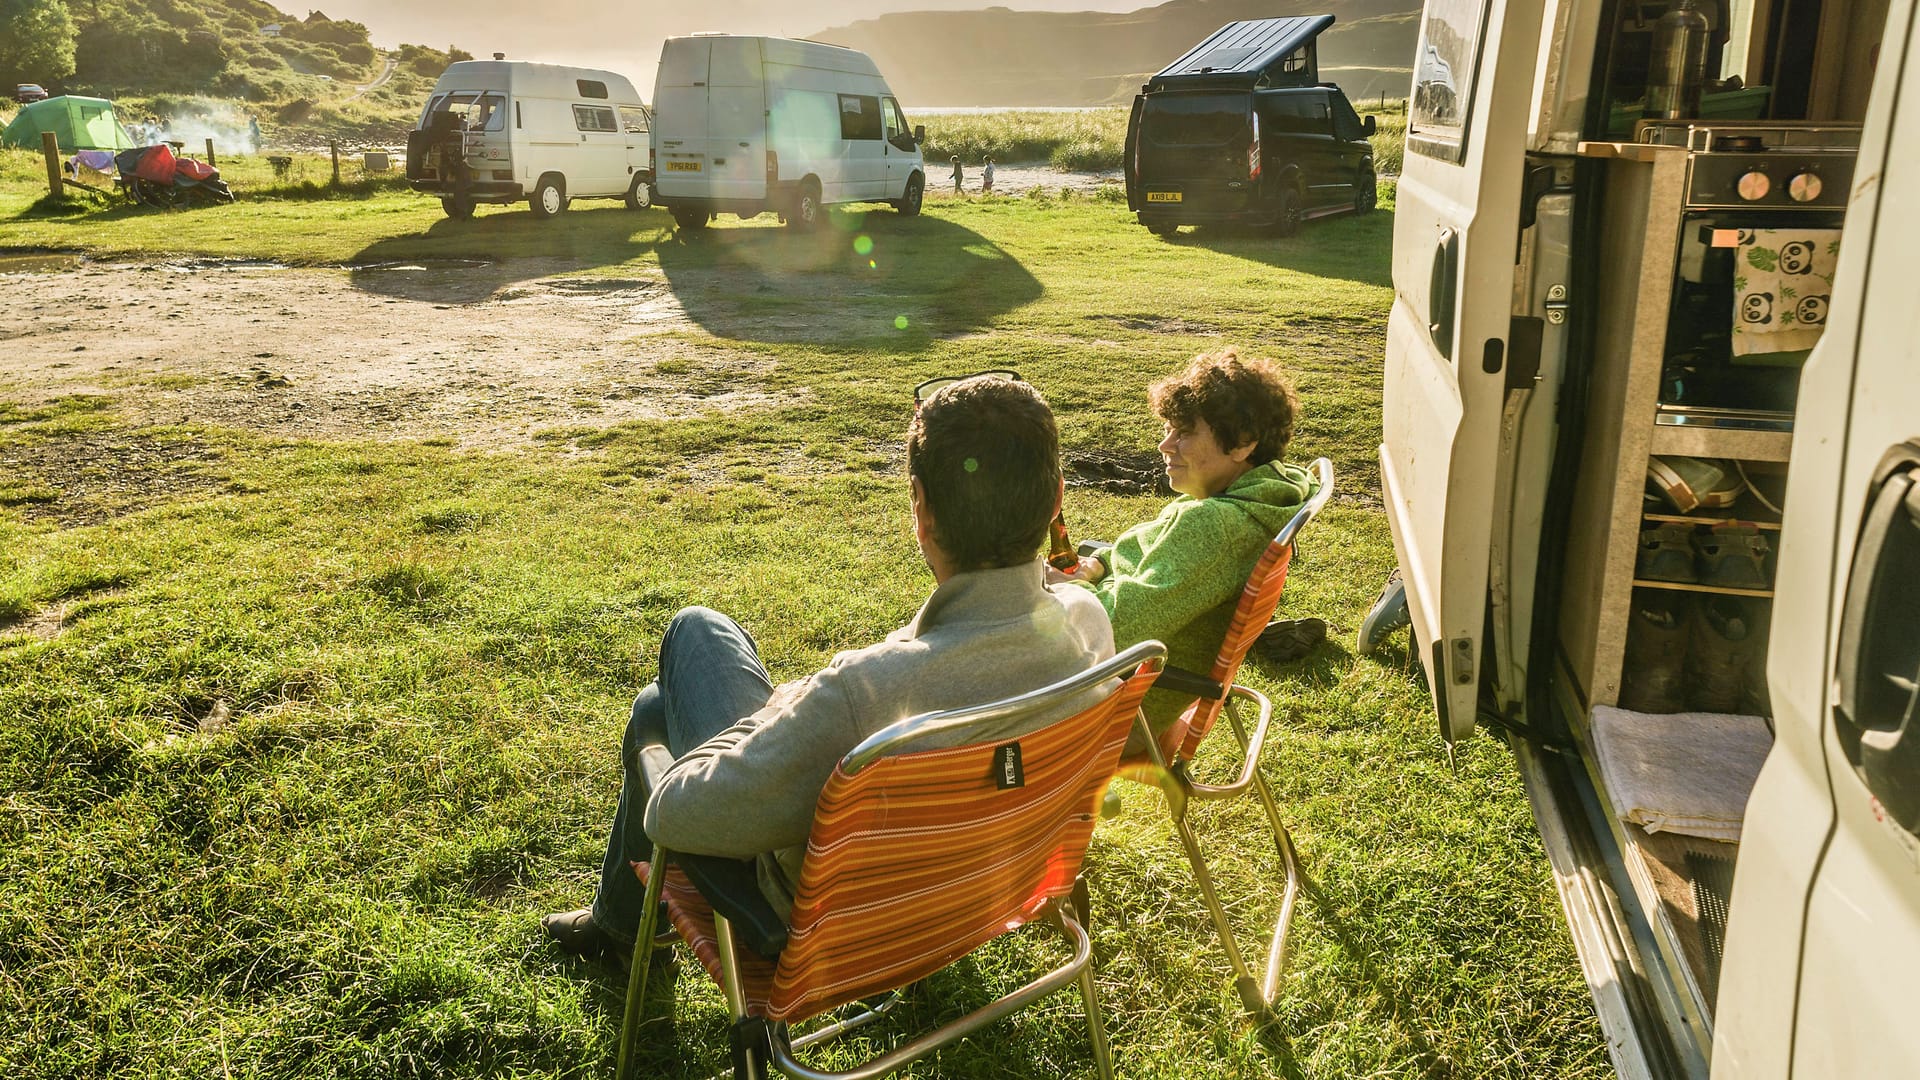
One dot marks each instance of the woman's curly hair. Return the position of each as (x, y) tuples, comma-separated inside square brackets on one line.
[(1243, 401)]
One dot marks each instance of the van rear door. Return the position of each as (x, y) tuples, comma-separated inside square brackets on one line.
[(737, 120), (1192, 149), (680, 118), (1455, 224)]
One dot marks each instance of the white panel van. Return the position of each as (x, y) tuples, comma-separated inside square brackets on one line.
[(745, 125), (1652, 465), (497, 131)]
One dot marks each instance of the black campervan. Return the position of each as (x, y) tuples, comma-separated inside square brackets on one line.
[(1241, 131)]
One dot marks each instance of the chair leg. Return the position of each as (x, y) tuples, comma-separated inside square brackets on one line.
[(1096, 1024), (1290, 863), (1243, 981), (642, 959), (1083, 902)]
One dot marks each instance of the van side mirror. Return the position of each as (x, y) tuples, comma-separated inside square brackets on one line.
[(1366, 126), (920, 134)]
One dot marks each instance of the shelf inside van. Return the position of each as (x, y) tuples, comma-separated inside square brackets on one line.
[(1694, 586)]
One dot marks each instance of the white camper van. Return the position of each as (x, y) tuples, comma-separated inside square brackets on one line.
[(1652, 469), (752, 124), (498, 131)]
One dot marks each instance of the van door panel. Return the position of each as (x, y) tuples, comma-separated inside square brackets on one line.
[(1454, 231), (736, 120), (1860, 964)]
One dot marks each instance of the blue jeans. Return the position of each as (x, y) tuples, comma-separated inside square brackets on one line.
[(710, 678)]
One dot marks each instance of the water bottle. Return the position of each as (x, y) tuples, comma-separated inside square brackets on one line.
[(1678, 69)]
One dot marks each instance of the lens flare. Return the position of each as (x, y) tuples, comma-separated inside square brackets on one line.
[(899, 322), (871, 265), (863, 245)]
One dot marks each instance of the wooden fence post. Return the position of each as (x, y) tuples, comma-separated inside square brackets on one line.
[(210, 160), (334, 147), (50, 147)]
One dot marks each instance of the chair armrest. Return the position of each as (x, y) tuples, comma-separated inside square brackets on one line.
[(1182, 681), (733, 888), (655, 760), (1253, 746)]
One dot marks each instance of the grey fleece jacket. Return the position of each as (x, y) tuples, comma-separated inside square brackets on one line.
[(749, 792)]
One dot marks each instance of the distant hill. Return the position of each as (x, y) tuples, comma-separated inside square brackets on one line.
[(246, 49), (1003, 57)]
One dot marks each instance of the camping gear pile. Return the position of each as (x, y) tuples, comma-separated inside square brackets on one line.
[(154, 176)]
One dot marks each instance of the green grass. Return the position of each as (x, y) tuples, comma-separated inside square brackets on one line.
[(327, 728)]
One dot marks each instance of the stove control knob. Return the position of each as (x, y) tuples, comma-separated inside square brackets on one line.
[(1754, 185), (1804, 187)]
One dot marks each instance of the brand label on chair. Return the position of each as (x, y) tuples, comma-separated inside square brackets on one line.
[(1007, 772)]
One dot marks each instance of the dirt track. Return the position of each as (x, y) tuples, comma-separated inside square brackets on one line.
[(483, 353)]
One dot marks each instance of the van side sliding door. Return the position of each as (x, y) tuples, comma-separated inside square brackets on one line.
[(1457, 216), (1821, 978)]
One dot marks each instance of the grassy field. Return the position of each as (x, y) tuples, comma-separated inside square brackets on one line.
[(1095, 138), (298, 739)]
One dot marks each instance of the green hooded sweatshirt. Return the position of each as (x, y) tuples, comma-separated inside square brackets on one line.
[(1178, 577)]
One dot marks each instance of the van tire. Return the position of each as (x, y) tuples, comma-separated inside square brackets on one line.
[(1367, 195), (549, 196), (690, 217), (806, 212), (909, 202), (457, 208), (1163, 229), (640, 192), (1286, 218)]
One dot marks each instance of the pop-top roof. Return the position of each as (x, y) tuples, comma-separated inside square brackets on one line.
[(1247, 47)]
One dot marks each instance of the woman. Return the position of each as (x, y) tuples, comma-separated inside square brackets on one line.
[(1178, 577)]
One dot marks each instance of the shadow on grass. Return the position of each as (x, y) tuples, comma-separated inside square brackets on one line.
[(862, 279), (472, 261), (1351, 247)]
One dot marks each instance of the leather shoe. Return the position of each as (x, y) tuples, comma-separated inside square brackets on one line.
[(577, 933)]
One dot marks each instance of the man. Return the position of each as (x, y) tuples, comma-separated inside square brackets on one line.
[(983, 458)]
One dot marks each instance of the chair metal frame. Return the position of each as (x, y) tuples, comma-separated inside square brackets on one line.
[(1220, 692), (758, 1041)]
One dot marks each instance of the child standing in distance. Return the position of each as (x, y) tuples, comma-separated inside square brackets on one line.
[(957, 174), (986, 178)]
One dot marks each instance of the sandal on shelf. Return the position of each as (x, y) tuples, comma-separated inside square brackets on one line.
[(1733, 557), (1690, 484), (1666, 554)]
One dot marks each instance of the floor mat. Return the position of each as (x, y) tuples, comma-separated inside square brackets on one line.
[(1712, 878)]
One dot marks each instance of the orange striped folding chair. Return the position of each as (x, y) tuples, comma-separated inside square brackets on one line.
[(1214, 693), (923, 849)]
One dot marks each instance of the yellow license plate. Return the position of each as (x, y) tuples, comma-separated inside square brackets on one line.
[(683, 166), (1163, 196)]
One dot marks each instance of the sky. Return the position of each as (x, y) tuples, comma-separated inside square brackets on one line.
[(625, 38)]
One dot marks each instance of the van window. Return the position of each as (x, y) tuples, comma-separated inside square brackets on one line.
[(896, 123), (594, 118), (1444, 68), (478, 111), (591, 88), (1346, 122), (1196, 119), (633, 119), (1297, 114), (859, 116)]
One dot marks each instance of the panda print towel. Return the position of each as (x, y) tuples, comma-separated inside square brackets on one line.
[(1781, 281)]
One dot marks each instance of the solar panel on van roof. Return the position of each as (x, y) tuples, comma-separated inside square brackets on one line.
[(1248, 46)]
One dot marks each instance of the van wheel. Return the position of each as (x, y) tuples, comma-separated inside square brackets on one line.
[(1286, 221), (549, 197), (639, 193), (806, 212), (457, 208), (910, 199), (1163, 228), (1368, 195), (690, 217)]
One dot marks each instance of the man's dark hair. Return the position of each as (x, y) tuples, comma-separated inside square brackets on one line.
[(987, 456), (1243, 401)]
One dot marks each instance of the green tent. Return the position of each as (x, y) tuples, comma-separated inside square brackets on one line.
[(80, 123)]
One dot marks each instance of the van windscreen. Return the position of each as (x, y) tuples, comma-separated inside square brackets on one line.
[(1196, 119)]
